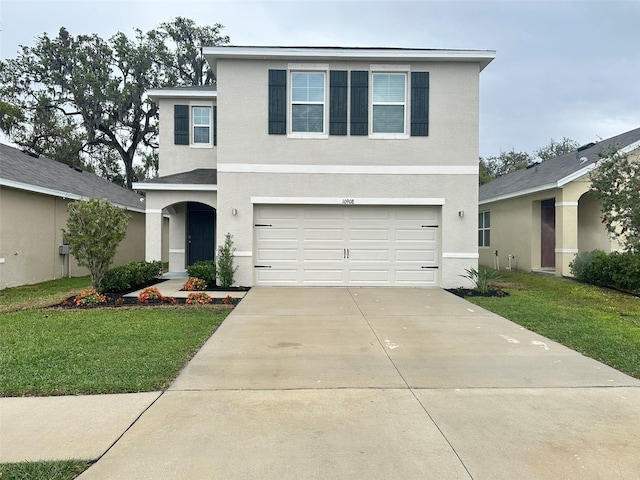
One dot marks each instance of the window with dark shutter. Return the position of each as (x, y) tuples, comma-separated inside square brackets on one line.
[(337, 102), (277, 102), (359, 102), (419, 104), (181, 124)]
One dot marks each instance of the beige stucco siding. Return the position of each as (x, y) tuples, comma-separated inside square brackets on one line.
[(180, 158), (243, 134), (31, 232)]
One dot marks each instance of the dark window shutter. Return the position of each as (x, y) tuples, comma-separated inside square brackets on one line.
[(181, 124), (338, 102), (419, 104), (359, 102), (277, 102), (215, 125)]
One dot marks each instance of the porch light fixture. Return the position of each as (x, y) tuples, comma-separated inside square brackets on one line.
[(234, 211)]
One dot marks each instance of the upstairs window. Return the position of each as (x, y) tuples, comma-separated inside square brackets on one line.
[(201, 125), (389, 99), (484, 229), (307, 102)]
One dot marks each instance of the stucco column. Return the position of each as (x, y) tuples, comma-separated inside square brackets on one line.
[(153, 235), (566, 235)]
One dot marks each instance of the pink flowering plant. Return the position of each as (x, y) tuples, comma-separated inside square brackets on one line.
[(89, 296), (194, 284), (198, 298), (150, 294)]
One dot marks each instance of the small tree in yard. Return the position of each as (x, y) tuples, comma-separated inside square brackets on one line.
[(226, 270), (94, 230), (616, 182)]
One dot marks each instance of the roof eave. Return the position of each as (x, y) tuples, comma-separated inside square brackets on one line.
[(158, 93), (194, 187), (482, 57)]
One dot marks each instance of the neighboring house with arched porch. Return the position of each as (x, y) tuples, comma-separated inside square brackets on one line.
[(538, 218)]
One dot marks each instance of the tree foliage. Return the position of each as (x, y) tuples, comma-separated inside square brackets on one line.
[(616, 183), (94, 230), (84, 97), (512, 160)]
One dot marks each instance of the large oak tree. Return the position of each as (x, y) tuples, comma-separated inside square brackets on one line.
[(81, 100)]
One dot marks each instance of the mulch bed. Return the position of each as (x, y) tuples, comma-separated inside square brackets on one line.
[(469, 292)]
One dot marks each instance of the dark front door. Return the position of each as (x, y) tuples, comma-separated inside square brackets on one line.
[(548, 234), (200, 233)]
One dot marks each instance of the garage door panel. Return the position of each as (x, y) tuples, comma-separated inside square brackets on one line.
[(277, 255), (347, 245), (369, 234)]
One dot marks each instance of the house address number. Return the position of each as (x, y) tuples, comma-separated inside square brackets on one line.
[(348, 201)]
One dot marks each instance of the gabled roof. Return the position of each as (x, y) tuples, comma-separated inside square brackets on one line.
[(378, 54), (198, 179), (555, 172), (22, 171)]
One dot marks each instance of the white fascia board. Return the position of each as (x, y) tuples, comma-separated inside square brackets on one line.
[(174, 187), (575, 175), (520, 193), (630, 148), (180, 93), (56, 193), (349, 169), (344, 201), (483, 57)]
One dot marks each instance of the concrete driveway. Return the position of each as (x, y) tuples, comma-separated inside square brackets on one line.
[(374, 383)]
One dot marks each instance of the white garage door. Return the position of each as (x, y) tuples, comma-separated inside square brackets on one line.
[(346, 245)]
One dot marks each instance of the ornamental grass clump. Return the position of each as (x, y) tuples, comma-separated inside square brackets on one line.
[(198, 298), (89, 296), (194, 284)]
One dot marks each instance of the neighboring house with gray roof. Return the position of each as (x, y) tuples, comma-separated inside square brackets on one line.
[(329, 166), (34, 194), (539, 217)]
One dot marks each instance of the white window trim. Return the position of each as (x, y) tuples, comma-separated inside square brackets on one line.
[(483, 229), (308, 67), (192, 144), (386, 69)]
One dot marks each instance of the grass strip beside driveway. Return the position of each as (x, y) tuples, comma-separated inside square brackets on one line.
[(63, 470), (600, 323), (102, 350)]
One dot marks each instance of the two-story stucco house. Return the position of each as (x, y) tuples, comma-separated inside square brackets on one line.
[(329, 166)]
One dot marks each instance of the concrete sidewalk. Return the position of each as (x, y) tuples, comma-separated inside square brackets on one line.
[(382, 384)]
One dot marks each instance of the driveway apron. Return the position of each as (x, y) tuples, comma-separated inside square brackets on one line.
[(382, 383)]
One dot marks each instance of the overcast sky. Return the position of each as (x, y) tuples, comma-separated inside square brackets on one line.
[(563, 68)]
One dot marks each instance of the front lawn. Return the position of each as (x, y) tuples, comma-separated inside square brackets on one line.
[(63, 470), (102, 350), (601, 323), (41, 294)]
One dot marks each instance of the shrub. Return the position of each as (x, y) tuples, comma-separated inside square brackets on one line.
[(226, 270), (150, 294), (194, 284), (94, 230), (89, 296), (619, 270), (205, 270), (130, 276), (480, 278), (199, 298)]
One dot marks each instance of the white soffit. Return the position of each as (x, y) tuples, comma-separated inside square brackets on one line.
[(175, 187)]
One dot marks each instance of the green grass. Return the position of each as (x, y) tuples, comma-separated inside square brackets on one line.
[(601, 323), (103, 350), (41, 294), (64, 470)]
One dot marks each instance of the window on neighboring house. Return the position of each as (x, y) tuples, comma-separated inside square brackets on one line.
[(484, 229), (389, 102), (201, 125), (307, 102)]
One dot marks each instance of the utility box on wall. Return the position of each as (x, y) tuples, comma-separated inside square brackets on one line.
[(64, 249)]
